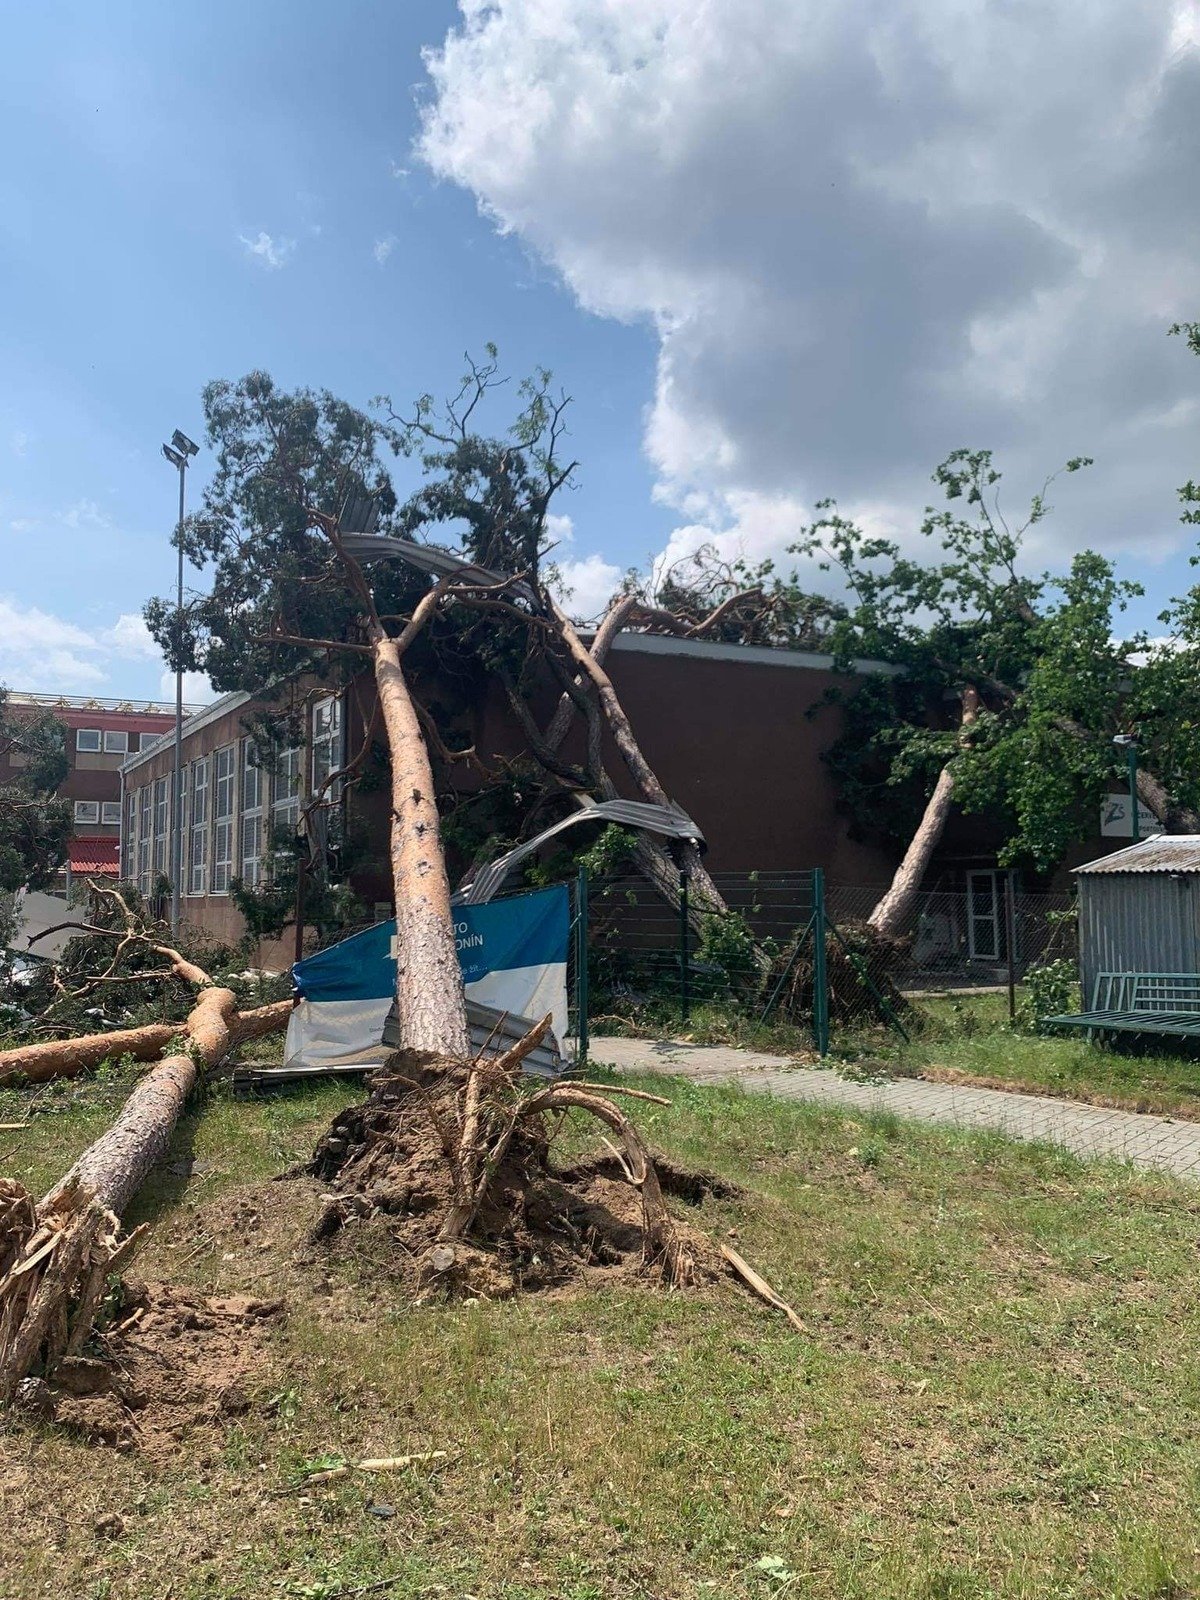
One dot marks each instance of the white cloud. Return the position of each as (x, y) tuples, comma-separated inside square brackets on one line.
[(271, 252), (383, 248), (18, 442), (559, 528), (40, 651), (84, 514), (130, 638), (22, 524), (864, 235), (197, 691), (586, 585), (43, 652)]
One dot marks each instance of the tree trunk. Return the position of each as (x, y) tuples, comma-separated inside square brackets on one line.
[(67, 1058), (1174, 818), (892, 913), (705, 891), (61, 1254), (429, 990)]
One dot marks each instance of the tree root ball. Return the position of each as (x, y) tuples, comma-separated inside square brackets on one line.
[(449, 1182)]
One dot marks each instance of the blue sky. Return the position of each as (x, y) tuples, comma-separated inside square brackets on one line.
[(777, 249), (145, 146)]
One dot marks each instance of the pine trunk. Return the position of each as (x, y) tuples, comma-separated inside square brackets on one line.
[(67, 1058), (429, 990), (891, 915)]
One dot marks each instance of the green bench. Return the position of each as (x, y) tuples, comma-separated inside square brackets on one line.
[(1140, 1002)]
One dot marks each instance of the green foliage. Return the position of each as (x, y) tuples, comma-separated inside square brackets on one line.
[(727, 942), (1050, 990), (34, 825)]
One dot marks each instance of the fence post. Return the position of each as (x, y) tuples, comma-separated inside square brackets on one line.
[(684, 997), (1010, 940), (820, 969), (581, 965)]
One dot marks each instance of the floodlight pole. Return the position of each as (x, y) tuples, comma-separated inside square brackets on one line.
[(176, 795), (1128, 743), (178, 453)]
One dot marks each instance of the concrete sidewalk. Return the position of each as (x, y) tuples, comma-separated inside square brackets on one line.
[(1147, 1141)]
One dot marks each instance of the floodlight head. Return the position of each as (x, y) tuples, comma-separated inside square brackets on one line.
[(359, 513), (173, 456), (184, 444), (1124, 740)]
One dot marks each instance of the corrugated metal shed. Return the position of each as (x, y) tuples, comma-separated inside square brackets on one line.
[(1139, 910), (1166, 852)]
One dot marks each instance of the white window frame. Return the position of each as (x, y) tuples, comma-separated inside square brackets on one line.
[(145, 862), (107, 806), (224, 813), (116, 742), (162, 824), (87, 811), (129, 837), (326, 744), (197, 869), (285, 796), (977, 951), (250, 826), (89, 733)]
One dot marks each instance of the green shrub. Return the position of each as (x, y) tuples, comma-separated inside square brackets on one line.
[(1050, 990)]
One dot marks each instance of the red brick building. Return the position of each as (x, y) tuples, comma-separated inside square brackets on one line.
[(101, 735)]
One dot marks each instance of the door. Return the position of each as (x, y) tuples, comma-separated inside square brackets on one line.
[(984, 901)]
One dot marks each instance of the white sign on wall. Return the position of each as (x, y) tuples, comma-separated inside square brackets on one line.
[(1114, 819)]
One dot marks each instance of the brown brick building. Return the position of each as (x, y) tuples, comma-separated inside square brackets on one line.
[(725, 726)]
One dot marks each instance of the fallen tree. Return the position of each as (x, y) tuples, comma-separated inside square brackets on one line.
[(266, 513)]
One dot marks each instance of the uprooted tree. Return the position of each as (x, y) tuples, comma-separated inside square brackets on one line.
[(288, 590)]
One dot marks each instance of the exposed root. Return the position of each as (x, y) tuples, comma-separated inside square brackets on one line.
[(453, 1160)]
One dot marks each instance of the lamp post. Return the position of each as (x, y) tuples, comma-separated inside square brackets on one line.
[(1128, 743), (179, 452)]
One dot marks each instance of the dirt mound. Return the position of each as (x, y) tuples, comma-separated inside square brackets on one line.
[(175, 1362), (393, 1171)]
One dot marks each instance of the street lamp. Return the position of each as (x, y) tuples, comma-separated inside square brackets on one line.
[(1128, 743), (179, 452)]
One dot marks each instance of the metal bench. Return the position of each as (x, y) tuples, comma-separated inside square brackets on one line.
[(1140, 1002)]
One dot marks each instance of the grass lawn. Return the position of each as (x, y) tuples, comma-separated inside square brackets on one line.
[(970, 1038), (996, 1396), (965, 1039)]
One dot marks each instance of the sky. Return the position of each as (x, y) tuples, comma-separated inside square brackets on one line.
[(776, 250)]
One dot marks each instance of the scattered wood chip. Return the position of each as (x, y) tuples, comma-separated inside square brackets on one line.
[(372, 1464), (761, 1287)]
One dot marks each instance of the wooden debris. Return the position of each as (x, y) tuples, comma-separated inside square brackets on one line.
[(375, 1464), (761, 1287)]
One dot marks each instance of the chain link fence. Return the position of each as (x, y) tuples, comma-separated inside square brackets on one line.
[(659, 963)]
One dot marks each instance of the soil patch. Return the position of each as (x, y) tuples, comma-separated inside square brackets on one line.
[(392, 1166), (175, 1362)]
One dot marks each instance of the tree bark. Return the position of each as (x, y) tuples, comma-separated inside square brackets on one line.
[(429, 990), (705, 891), (67, 1058), (61, 1253), (892, 912)]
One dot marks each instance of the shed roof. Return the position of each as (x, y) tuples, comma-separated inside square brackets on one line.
[(1166, 852)]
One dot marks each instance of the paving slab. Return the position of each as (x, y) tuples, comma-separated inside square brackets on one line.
[(1144, 1139)]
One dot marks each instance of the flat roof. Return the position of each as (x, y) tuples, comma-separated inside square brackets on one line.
[(94, 702), (199, 719), (667, 644)]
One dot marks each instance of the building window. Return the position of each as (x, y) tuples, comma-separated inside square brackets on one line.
[(87, 811), (110, 813), (116, 741), (198, 859), (145, 838), (285, 798), (87, 739), (129, 838), (162, 823), (252, 815), (224, 770), (984, 901), (326, 743)]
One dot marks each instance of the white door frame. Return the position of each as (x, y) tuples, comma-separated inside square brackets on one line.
[(992, 876)]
